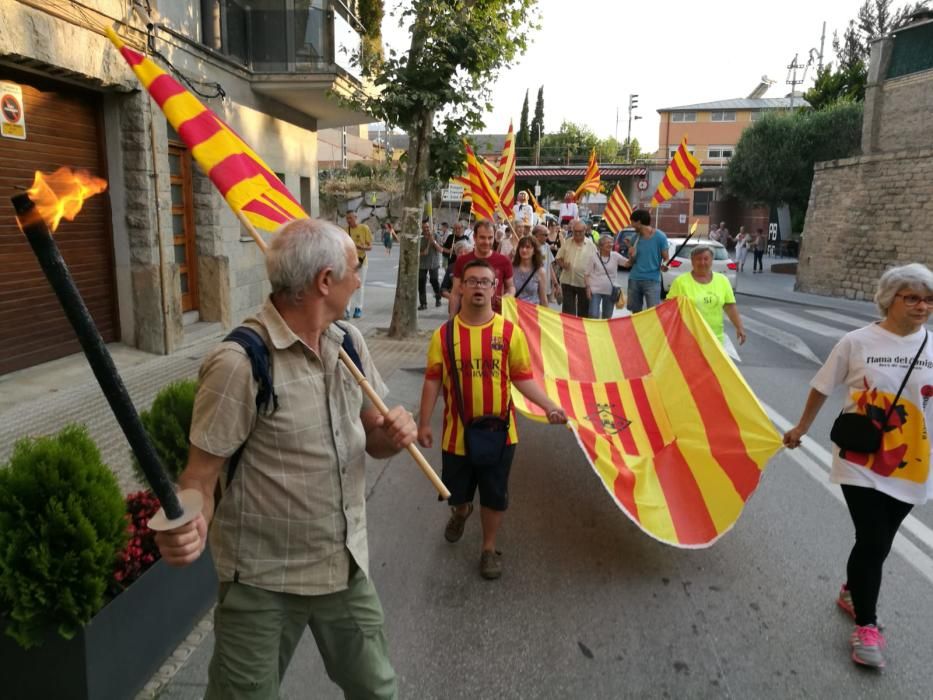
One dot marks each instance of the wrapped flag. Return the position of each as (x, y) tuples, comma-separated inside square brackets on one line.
[(681, 174)]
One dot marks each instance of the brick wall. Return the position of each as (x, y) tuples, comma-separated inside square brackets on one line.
[(866, 214)]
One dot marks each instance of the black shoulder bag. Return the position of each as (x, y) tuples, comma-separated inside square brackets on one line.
[(616, 291), (856, 432), (485, 437)]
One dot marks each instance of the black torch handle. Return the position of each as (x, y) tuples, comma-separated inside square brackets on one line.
[(58, 275)]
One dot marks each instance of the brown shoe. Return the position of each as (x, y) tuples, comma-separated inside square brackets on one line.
[(490, 564), (454, 530)]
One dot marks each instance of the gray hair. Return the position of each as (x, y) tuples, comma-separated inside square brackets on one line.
[(606, 237), (539, 228), (894, 280), (301, 250), (702, 248)]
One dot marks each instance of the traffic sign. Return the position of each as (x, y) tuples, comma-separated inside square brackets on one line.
[(12, 114)]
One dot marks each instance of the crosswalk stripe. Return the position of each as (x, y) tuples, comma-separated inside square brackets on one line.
[(782, 338), (839, 318), (802, 323)]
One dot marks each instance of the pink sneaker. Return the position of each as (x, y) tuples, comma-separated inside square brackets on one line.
[(844, 601), (867, 644)]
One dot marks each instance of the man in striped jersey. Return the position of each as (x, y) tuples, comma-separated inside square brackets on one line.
[(490, 354)]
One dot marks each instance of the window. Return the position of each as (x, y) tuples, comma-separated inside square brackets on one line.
[(722, 116), (756, 115), (701, 200), (684, 116), (720, 152), (673, 149)]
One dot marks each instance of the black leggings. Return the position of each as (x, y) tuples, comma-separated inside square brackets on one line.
[(575, 302), (877, 517), (757, 263)]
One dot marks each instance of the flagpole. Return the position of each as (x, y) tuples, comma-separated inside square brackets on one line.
[(364, 384)]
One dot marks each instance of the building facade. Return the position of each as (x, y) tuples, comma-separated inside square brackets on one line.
[(159, 254), (712, 130)]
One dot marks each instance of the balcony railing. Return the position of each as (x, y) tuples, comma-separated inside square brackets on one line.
[(283, 36)]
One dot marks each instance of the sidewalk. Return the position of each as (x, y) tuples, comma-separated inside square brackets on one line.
[(780, 287)]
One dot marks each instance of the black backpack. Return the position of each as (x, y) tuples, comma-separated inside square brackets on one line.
[(266, 400)]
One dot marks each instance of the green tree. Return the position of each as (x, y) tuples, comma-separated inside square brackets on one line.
[(848, 79), (607, 150), (537, 122), (773, 161), (437, 91), (631, 152), (572, 143), (522, 136)]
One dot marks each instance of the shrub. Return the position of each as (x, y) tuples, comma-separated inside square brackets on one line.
[(168, 423), (61, 526), (140, 551)]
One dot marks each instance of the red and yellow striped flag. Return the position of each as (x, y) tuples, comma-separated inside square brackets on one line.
[(681, 174), (483, 195), (618, 212), (464, 180), (505, 176), (538, 209), (248, 185), (670, 427), (590, 178)]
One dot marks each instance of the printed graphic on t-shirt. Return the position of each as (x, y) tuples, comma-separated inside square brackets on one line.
[(905, 445)]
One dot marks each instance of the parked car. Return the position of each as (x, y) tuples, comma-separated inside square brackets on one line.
[(679, 265), (624, 240)]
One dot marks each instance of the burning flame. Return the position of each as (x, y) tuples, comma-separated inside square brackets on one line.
[(693, 228), (62, 194)]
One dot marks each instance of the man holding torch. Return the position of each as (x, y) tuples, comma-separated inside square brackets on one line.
[(289, 535)]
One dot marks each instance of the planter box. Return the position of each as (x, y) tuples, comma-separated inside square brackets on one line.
[(121, 648)]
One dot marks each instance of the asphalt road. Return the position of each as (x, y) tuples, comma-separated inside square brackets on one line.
[(590, 607)]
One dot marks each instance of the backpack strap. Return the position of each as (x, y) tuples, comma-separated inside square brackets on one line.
[(350, 348), (258, 354)]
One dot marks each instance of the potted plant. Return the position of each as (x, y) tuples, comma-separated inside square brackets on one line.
[(86, 609)]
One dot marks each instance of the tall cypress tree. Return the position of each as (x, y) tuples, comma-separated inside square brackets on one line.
[(522, 140), (537, 123)]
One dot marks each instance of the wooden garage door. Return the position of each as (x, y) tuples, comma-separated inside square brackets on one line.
[(63, 127)]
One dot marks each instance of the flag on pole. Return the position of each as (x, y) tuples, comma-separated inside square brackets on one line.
[(464, 180), (681, 174), (539, 210), (505, 176), (669, 426), (618, 212), (248, 185), (483, 195), (590, 178)]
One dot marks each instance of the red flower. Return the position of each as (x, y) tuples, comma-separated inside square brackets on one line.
[(140, 552)]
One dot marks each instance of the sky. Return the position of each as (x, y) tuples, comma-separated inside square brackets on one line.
[(591, 54)]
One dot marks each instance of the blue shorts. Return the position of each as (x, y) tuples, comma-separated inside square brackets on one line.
[(462, 478)]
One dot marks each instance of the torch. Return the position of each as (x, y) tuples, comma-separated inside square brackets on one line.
[(177, 509)]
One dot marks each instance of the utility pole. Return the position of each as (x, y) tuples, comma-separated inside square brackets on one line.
[(819, 56), (632, 105), (792, 77), (538, 147)]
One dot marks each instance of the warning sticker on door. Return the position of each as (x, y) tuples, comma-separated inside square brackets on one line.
[(12, 114)]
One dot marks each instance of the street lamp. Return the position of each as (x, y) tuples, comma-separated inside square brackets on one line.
[(632, 105)]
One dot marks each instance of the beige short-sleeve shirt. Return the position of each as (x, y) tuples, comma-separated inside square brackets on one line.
[(295, 511)]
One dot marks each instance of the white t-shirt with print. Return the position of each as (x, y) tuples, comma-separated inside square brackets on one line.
[(872, 362)]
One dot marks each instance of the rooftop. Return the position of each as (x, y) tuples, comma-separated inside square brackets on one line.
[(742, 103)]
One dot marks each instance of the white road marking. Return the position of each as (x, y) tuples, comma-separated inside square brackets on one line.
[(839, 318), (377, 283), (807, 459), (782, 338), (730, 349), (812, 326)]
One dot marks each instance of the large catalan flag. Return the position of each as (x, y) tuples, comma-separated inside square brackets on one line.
[(590, 177), (505, 177), (670, 427), (248, 185), (681, 174), (618, 212), (483, 193), (464, 180)]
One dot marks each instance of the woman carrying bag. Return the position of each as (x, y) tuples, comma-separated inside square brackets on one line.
[(602, 284), (882, 438)]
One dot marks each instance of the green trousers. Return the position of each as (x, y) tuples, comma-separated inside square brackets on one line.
[(256, 632)]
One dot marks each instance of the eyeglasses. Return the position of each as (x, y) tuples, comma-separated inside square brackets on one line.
[(914, 299), (481, 282)]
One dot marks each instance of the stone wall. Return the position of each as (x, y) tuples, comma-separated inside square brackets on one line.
[(865, 215)]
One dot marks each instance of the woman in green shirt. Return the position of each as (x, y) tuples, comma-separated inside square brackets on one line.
[(710, 291)]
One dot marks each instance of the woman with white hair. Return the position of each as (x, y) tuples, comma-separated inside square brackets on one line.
[(882, 439)]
